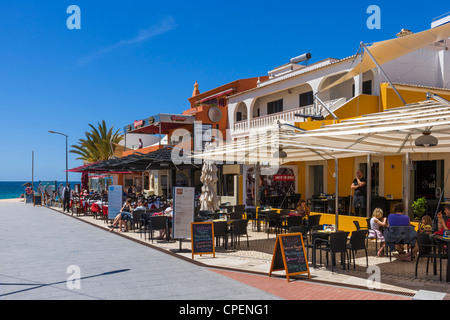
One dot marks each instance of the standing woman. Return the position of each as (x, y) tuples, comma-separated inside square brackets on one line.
[(123, 215)]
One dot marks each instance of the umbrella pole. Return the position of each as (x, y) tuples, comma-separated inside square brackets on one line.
[(336, 193)]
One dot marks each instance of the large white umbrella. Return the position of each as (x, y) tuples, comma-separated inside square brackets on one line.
[(208, 198)]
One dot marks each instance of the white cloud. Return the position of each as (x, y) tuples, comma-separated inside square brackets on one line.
[(164, 26)]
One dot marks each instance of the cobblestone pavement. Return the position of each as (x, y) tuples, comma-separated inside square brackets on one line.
[(396, 277)]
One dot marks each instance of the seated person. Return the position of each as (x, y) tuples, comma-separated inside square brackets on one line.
[(425, 224), (168, 212), (443, 222), (140, 206), (398, 218), (376, 222), (302, 209), (123, 216)]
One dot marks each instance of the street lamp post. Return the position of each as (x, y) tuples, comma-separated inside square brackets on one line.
[(67, 161)]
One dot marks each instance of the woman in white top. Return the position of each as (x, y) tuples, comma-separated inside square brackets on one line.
[(376, 222)]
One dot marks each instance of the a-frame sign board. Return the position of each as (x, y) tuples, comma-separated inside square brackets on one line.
[(289, 254)]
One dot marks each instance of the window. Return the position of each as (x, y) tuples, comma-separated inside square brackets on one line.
[(306, 99), (275, 106), (367, 87), (238, 116)]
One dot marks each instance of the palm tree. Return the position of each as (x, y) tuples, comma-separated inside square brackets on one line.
[(99, 144)]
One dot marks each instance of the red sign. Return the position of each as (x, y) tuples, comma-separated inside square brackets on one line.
[(138, 123), (283, 177), (177, 118)]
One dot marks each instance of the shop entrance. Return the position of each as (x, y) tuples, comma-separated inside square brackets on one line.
[(428, 178)]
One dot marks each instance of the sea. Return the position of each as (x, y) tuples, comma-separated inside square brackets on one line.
[(13, 189)]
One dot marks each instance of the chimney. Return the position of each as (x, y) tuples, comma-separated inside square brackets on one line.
[(196, 92)]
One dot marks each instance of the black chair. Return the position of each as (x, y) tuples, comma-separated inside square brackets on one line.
[(235, 215), (214, 215), (144, 222), (272, 221), (429, 250), (239, 208), (369, 236), (136, 218), (251, 215), (313, 220), (204, 213), (393, 235), (220, 231), (337, 243), (358, 242), (228, 208), (293, 221), (156, 223), (238, 229)]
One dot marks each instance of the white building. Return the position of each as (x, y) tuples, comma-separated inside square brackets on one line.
[(297, 89)]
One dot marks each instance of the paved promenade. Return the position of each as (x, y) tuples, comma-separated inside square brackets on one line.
[(39, 244)]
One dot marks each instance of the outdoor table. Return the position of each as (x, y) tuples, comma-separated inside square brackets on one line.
[(320, 234), (438, 238)]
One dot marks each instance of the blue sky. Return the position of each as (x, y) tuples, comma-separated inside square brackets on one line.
[(133, 59)]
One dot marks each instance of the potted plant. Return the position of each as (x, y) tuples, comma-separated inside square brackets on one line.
[(419, 206)]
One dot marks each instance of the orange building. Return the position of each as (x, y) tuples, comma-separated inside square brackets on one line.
[(205, 121)]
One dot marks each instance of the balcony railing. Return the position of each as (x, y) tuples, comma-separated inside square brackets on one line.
[(288, 115)]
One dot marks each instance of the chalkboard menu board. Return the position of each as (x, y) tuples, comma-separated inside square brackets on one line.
[(37, 201), (289, 255), (202, 238)]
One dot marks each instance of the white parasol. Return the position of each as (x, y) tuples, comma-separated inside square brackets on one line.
[(208, 198)]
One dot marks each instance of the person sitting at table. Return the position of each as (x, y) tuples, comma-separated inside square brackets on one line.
[(398, 219), (140, 206), (123, 215), (443, 224), (425, 224), (302, 209), (169, 213), (376, 222)]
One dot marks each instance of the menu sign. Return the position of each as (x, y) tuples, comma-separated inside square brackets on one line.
[(183, 211), (202, 238), (289, 255), (115, 202), (37, 200)]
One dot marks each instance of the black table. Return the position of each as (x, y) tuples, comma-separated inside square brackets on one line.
[(447, 241)]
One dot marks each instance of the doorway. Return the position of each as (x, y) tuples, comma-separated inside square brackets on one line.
[(316, 172), (428, 178)]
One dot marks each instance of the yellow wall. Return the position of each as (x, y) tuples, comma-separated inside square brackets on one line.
[(357, 106), (393, 176), (346, 176), (410, 94)]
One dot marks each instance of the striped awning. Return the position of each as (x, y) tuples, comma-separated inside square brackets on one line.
[(391, 132)]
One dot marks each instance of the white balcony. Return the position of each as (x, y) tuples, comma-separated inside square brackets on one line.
[(287, 116)]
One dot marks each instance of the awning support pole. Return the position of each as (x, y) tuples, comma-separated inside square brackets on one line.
[(407, 183), (336, 194), (369, 185), (382, 71)]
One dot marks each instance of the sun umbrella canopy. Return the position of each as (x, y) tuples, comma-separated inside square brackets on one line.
[(208, 199)]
